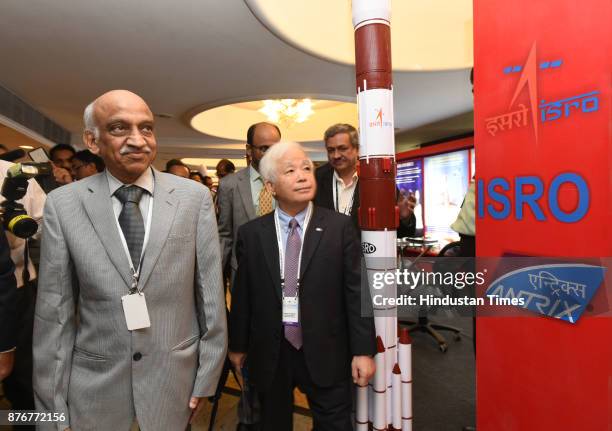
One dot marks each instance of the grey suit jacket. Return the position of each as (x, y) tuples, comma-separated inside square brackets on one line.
[(86, 363), (236, 207)]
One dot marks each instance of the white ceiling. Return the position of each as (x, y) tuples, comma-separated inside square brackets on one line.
[(180, 55)]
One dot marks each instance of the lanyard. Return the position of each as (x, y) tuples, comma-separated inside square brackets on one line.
[(347, 209), (136, 272), (281, 249)]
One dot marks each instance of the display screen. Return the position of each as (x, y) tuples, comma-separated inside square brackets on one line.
[(446, 182), (410, 182)]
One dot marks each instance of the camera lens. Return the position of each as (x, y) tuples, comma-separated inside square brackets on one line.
[(22, 226)]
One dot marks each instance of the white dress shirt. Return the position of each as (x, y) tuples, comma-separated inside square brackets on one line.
[(146, 182), (344, 194)]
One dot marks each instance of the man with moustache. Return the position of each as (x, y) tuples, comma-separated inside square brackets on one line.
[(338, 182), (296, 303), (130, 322)]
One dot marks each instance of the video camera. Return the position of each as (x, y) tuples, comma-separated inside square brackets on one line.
[(15, 219)]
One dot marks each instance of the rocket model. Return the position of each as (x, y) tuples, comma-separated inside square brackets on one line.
[(387, 399)]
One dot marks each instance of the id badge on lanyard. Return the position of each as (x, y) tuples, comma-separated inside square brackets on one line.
[(134, 303), (291, 310), (290, 304)]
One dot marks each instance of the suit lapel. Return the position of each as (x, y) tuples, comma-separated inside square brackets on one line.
[(244, 189), (165, 205), (328, 192), (316, 227), (267, 235), (355, 207), (99, 208)]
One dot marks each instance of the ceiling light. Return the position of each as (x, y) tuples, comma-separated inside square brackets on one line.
[(287, 111), (26, 147), (232, 121)]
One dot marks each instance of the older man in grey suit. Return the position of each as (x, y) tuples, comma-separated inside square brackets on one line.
[(131, 250)]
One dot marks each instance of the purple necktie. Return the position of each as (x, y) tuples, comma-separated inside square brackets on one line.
[(293, 333)]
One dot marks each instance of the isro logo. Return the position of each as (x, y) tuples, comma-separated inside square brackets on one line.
[(378, 120), (368, 248), (519, 114)]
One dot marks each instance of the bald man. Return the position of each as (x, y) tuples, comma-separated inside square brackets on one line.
[(130, 319)]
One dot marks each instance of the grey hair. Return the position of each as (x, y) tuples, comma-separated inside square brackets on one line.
[(268, 166), (343, 128), (90, 121)]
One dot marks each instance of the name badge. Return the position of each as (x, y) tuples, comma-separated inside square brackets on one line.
[(291, 307), (135, 310)]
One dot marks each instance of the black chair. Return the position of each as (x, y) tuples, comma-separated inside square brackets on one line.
[(424, 324)]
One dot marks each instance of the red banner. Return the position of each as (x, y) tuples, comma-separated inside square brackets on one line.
[(544, 161)]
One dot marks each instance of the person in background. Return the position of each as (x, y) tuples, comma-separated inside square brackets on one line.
[(8, 311), (306, 261), (242, 197), (338, 182), (178, 168), (224, 168), (61, 155), (85, 164), (18, 385), (465, 224), (208, 182), (130, 322), (196, 176)]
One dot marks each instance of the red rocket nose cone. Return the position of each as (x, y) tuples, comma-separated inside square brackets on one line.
[(405, 336), (396, 369), (380, 347)]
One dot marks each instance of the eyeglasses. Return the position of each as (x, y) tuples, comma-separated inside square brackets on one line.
[(262, 148)]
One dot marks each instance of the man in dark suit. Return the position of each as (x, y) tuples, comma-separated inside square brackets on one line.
[(338, 182), (8, 308), (296, 311)]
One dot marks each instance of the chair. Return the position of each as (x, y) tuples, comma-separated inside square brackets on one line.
[(424, 324)]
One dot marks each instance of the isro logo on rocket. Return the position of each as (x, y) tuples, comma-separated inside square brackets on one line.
[(518, 114), (378, 120), (368, 248)]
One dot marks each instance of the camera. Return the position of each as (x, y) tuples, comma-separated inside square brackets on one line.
[(15, 219)]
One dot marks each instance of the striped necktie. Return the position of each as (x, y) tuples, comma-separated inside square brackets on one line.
[(293, 333), (130, 220)]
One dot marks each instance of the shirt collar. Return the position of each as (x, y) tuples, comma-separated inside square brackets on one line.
[(285, 218), (354, 178), (254, 175), (145, 181)]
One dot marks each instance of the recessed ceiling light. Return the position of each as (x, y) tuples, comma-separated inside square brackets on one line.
[(232, 121)]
